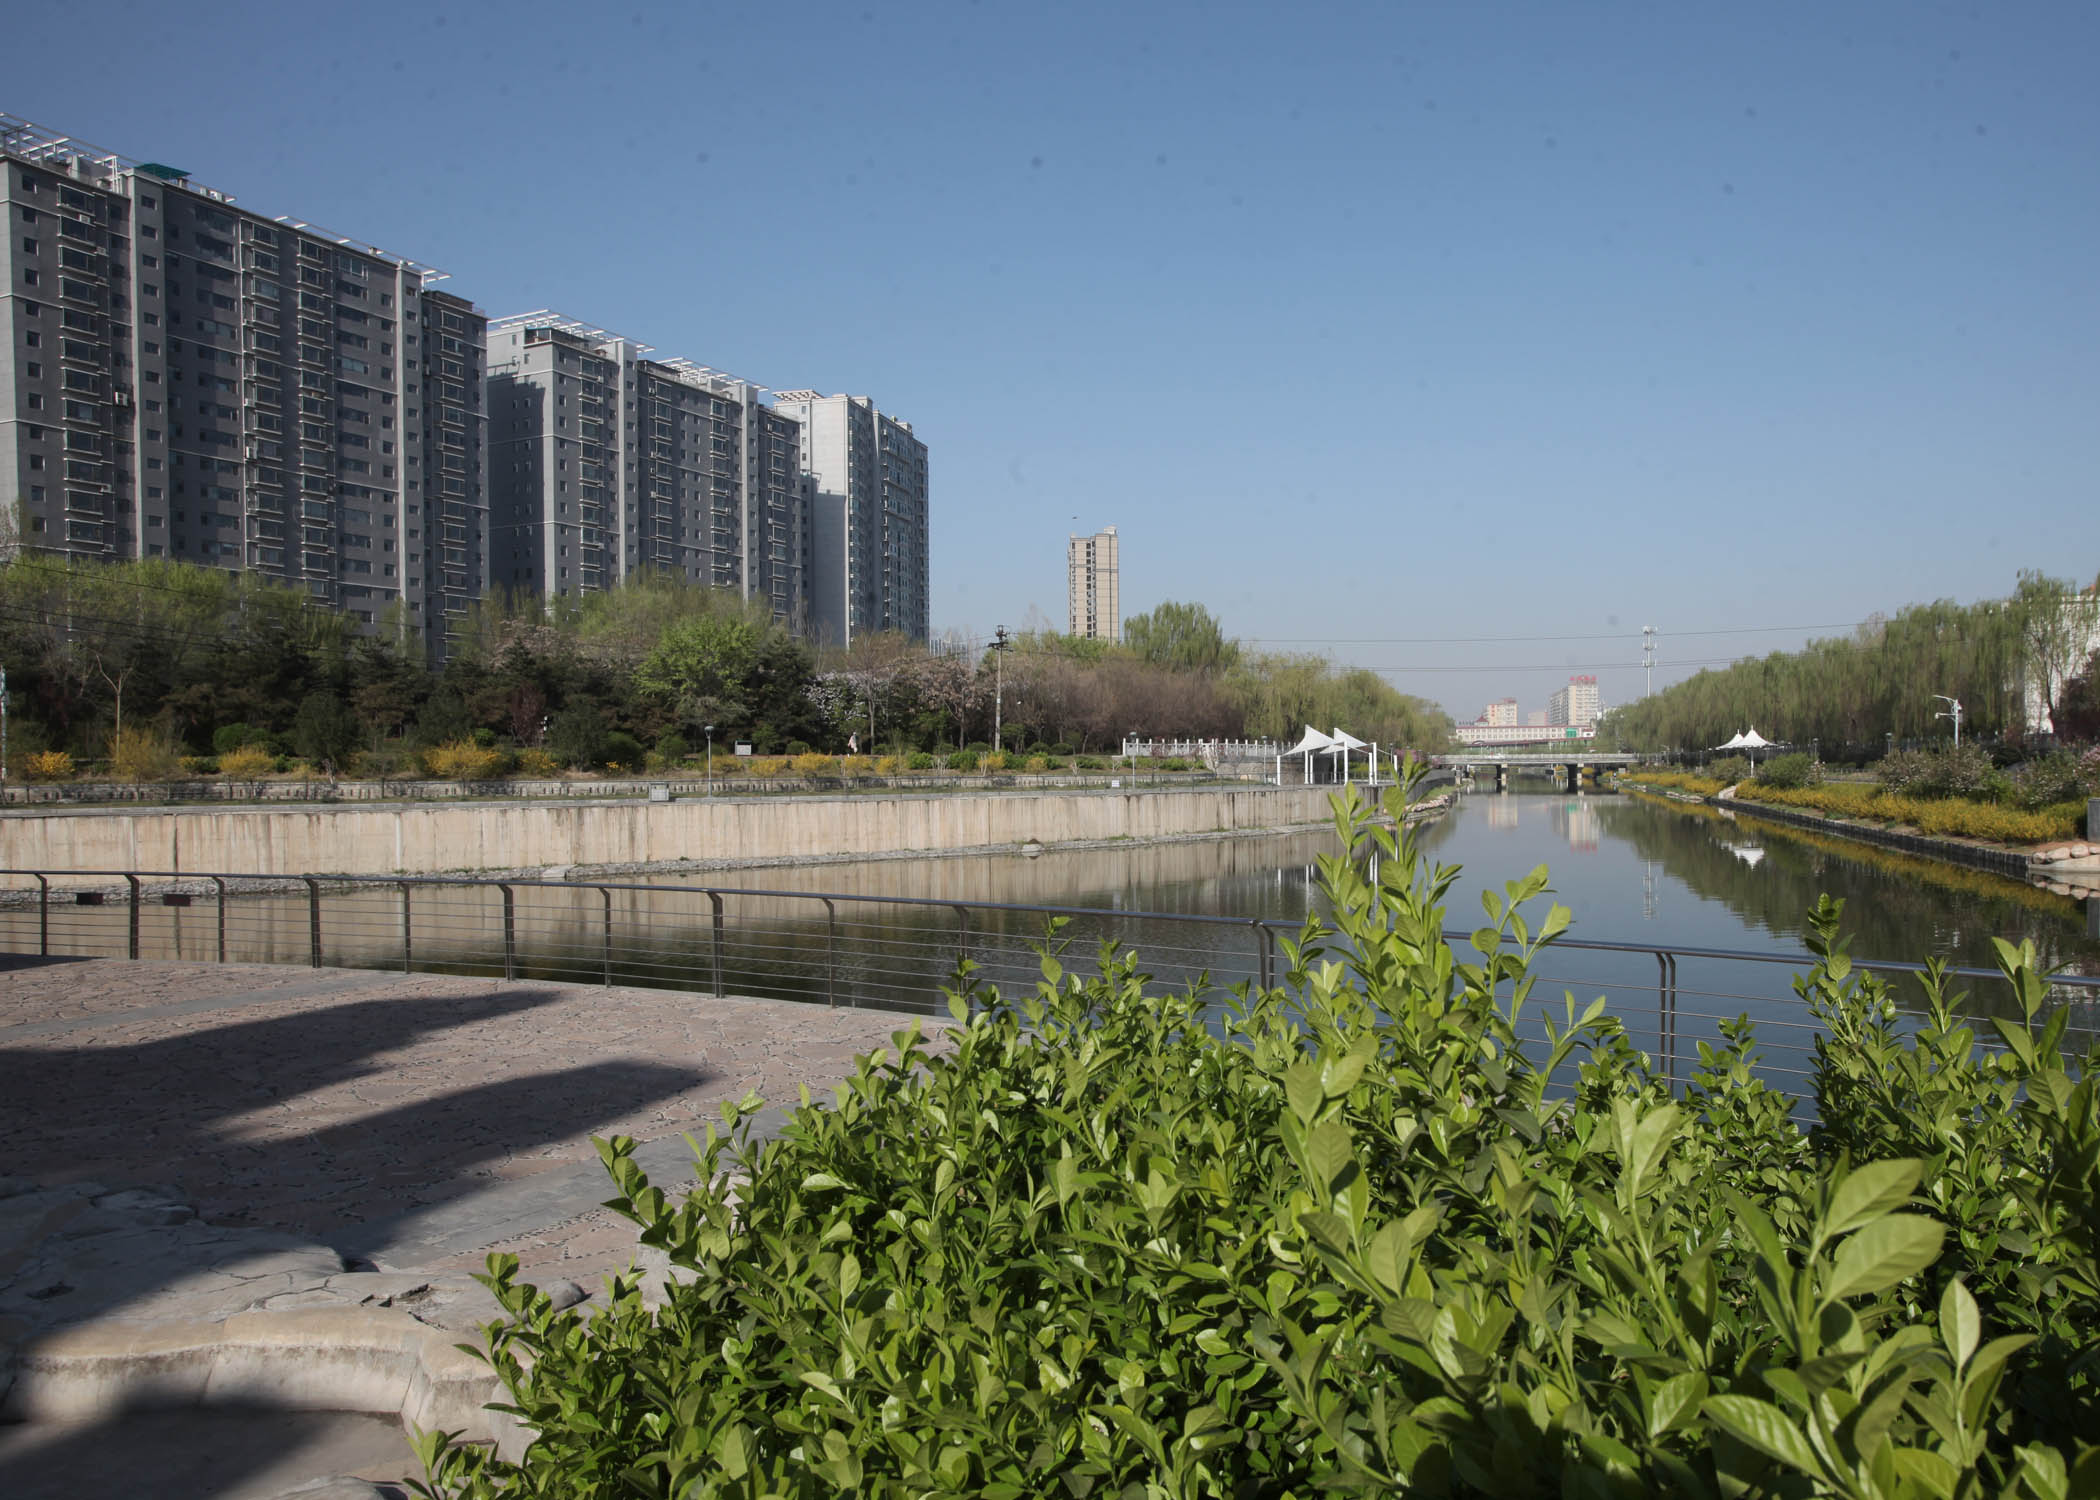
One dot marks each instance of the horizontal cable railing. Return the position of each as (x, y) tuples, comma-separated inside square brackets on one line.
[(836, 948)]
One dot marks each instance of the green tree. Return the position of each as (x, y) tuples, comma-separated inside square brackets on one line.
[(1185, 637), (325, 731), (702, 667)]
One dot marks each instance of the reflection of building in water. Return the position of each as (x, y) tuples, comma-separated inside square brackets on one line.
[(1578, 820), (1502, 812)]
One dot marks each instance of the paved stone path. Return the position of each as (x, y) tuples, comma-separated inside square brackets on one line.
[(407, 1119), (237, 1182)]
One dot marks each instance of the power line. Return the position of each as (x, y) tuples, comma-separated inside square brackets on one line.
[(1496, 640)]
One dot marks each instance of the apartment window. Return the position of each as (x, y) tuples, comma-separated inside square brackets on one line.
[(34, 369), (28, 246), (29, 278)]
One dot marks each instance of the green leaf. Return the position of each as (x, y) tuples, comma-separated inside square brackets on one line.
[(1338, 1075), (1882, 1254), (1764, 1427), (1673, 1399), (1961, 1325), (1869, 1192), (1301, 1089), (818, 1182)]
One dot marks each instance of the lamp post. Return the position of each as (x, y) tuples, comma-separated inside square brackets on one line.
[(710, 760), (1000, 644), (1953, 713)]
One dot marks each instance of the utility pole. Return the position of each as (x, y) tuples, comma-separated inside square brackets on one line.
[(1000, 646), (1648, 657), (3, 729)]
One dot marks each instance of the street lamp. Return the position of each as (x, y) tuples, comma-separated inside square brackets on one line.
[(1953, 713), (710, 760)]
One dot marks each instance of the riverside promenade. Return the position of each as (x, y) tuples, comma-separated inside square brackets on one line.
[(243, 1186)]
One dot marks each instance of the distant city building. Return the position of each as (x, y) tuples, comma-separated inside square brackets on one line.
[(1536, 718), (1575, 704), (2043, 674), (605, 463), (1504, 712), (1521, 734), (1094, 592), (869, 546), (190, 379)]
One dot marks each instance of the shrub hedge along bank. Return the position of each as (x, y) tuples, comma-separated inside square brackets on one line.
[(1348, 1237)]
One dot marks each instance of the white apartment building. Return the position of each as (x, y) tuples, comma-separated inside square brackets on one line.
[(1575, 704), (1093, 586)]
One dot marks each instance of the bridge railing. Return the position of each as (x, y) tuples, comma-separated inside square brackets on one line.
[(838, 948)]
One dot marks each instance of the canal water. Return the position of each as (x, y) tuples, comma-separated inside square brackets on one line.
[(1635, 871)]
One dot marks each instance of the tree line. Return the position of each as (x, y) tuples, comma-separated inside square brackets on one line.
[(1884, 679), (209, 660)]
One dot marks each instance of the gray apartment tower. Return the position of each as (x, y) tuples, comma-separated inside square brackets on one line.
[(190, 379), (605, 462), (868, 518)]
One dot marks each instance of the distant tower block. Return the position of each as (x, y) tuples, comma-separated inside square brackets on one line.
[(1094, 606)]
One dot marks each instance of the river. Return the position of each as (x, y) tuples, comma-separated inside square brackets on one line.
[(1632, 869)]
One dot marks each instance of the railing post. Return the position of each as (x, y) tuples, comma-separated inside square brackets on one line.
[(1268, 953), (313, 918), (607, 895), (510, 932), (132, 947), (220, 882), (962, 942), (408, 930), (717, 901), (831, 954), (43, 917)]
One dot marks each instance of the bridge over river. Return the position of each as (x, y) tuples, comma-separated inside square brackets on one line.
[(1502, 764)]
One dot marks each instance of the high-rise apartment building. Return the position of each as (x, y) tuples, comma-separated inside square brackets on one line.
[(1576, 704), (1094, 593), (605, 463), (190, 379), (868, 538)]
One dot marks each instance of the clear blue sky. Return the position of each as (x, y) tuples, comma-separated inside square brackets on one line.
[(1369, 323)]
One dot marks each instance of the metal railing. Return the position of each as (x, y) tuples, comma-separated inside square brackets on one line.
[(835, 948)]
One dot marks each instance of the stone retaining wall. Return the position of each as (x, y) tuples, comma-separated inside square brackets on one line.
[(433, 839)]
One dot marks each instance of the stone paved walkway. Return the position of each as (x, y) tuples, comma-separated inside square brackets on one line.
[(406, 1119)]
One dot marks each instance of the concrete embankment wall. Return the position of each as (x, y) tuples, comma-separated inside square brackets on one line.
[(427, 839)]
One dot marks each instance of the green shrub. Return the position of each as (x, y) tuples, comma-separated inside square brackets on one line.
[(673, 748), (577, 737), (1172, 763), (2056, 777), (1090, 763), (918, 760), (800, 747), (978, 747), (1349, 1237), (963, 760), (1952, 771), (1728, 768), (1061, 748), (1790, 771), (624, 751), (234, 736)]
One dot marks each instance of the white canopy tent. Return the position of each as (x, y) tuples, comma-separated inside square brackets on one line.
[(1339, 745)]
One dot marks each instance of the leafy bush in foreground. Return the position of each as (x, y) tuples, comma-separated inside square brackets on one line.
[(1792, 770), (1361, 1242)]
